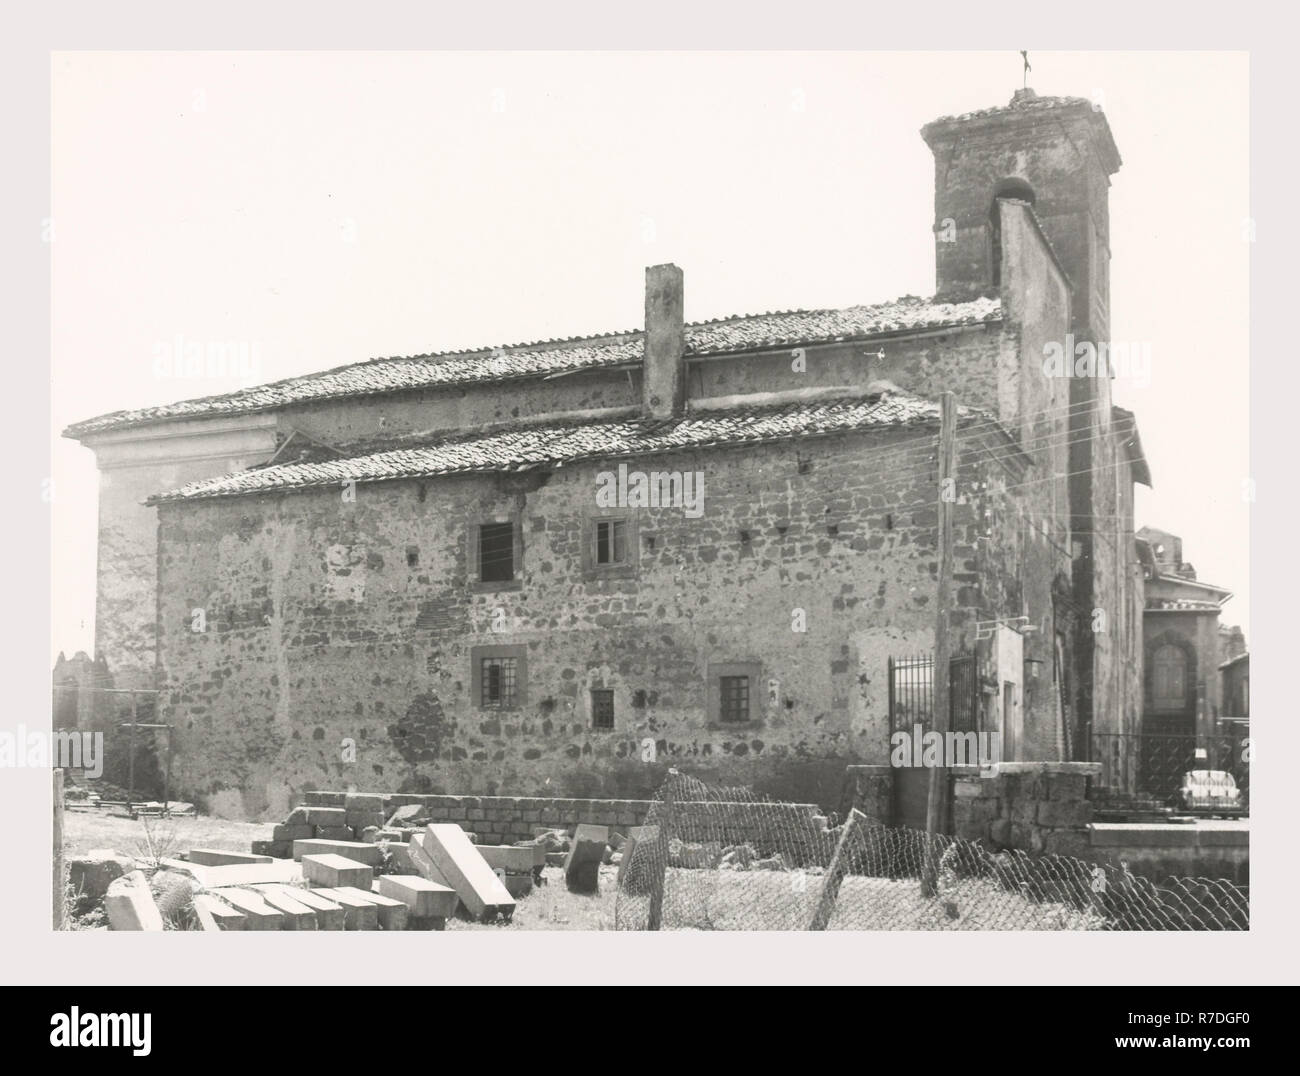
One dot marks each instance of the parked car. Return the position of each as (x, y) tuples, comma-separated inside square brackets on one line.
[(1208, 792)]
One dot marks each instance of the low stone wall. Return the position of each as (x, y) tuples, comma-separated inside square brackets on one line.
[(1203, 849), (506, 819), (1038, 807)]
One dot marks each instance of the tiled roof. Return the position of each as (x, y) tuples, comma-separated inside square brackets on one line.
[(746, 333), (524, 447)]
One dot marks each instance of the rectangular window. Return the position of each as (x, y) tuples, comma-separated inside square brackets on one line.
[(499, 684), (611, 541), (734, 695), (602, 709), (496, 552)]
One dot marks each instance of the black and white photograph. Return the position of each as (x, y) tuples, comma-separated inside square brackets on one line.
[(532, 496)]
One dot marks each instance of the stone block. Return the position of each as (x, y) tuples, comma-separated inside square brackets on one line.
[(423, 899), (466, 871), (219, 857), (392, 913), (129, 904), (292, 833), (586, 853), (323, 799), (297, 915), (329, 914), (364, 801), (258, 915), (326, 816), (517, 885), (277, 870), (368, 854), (215, 914), (359, 913), (298, 817), (333, 833), (508, 858), (330, 871)]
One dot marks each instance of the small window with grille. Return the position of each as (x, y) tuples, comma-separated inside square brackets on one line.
[(734, 696), (602, 708), (499, 684)]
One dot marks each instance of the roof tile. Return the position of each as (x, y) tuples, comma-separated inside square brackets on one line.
[(752, 332), (526, 447)]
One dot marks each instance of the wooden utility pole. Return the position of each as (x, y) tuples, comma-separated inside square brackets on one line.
[(937, 802)]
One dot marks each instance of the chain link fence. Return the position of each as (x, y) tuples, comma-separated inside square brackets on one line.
[(711, 858)]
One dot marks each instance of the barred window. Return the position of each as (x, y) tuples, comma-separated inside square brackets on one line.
[(602, 708), (499, 684), (734, 698)]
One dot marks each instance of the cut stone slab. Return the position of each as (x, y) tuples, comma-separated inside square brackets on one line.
[(215, 914), (219, 857), (364, 801), (402, 861), (292, 833), (582, 868), (392, 913), (334, 833), (257, 913), (359, 913), (411, 814), (326, 816), (360, 851), (423, 862), (517, 885), (329, 913), (277, 870), (330, 870), (423, 899), (511, 859), (297, 916), (129, 904), (479, 889)]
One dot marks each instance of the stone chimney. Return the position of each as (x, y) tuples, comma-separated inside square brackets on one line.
[(663, 375)]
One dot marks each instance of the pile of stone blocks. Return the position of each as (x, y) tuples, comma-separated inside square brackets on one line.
[(341, 893), (344, 816)]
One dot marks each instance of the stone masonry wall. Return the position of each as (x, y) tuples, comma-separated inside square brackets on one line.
[(506, 819), (309, 639), (1038, 807)]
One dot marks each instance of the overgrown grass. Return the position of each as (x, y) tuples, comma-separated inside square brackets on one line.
[(84, 830), (553, 907)]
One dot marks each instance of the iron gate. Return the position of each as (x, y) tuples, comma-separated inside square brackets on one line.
[(911, 703)]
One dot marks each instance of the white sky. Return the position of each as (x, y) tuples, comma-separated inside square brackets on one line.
[(333, 207)]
